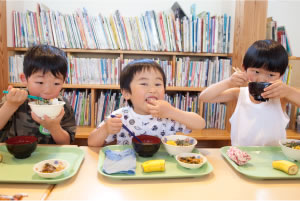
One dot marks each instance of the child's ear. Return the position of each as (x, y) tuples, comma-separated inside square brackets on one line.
[(23, 78), (126, 94), (243, 68)]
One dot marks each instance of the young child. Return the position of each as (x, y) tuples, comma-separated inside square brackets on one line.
[(45, 70), (256, 123), (143, 85)]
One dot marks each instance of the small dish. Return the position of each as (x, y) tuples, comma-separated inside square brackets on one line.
[(61, 165), (288, 151), (177, 149), (196, 156)]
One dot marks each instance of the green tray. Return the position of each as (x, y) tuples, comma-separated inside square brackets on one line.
[(172, 169), (260, 165), (14, 170)]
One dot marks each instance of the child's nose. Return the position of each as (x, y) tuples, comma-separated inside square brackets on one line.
[(262, 78)]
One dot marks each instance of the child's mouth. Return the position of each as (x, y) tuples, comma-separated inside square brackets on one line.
[(149, 99)]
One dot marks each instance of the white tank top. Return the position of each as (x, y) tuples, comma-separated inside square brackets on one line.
[(260, 124)]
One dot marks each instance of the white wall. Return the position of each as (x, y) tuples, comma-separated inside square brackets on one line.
[(287, 13), (126, 7)]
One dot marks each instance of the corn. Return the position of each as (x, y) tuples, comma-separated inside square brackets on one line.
[(154, 166), (1, 158), (171, 142), (285, 166)]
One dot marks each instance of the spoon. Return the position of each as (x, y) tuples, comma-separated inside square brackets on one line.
[(29, 96), (129, 131)]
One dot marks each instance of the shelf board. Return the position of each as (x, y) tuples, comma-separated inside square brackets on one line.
[(205, 134), (99, 86), (132, 52)]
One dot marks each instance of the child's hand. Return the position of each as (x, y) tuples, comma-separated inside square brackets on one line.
[(47, 122), (16, 97), (277, 89), (114, 125), (239, 79), (159, 108)]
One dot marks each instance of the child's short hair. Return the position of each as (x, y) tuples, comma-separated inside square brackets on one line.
[(137, 66), (45, 58), (267, 54)]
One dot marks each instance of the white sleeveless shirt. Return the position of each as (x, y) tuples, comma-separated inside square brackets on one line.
[(260, 124)]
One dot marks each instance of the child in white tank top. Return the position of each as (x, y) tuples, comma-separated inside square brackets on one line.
[(255, 123)]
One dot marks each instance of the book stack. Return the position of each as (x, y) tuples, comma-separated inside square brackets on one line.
[(214, 115), (152, 31)]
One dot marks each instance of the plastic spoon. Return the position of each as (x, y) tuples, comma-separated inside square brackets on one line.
[(129, 131), (29, 96)]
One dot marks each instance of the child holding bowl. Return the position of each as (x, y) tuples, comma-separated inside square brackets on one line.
[(143, 85), (255, 123), (45, 69)]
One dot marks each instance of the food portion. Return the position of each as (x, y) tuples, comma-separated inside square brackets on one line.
[(191, 160), (1, 158), (293, 145), (238, 156), (285, 166), (185, 142), (49, 168), (53, 101), (154, 165)]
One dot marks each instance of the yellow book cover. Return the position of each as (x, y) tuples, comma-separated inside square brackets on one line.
[(112, 24)]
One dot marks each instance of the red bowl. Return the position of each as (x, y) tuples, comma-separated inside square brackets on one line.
[(149, 146), (21, 146)]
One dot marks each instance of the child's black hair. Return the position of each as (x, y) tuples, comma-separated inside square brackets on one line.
[(137, 66), (45, 58), (267, 54)]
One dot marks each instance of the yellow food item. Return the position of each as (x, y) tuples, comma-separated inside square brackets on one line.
[(171, 142), (154, 166), (285, 166), (1, 158)]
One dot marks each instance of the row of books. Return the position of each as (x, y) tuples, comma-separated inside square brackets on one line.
[(155, 31), (214, 115), (187, 73), (81, 104), (278, 33)]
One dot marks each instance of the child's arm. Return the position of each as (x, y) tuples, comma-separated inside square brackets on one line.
[(14, 99), (111, 126), (278, 89), (163, 109), (226, 90), (59, 135)]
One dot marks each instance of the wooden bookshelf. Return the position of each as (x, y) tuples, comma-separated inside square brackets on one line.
[(249, 27)]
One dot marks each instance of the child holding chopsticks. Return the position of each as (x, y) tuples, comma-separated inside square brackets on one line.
[(255, 123)]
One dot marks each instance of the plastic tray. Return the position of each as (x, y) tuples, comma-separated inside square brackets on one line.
[(14, 170), (260, 165), (172, 169)]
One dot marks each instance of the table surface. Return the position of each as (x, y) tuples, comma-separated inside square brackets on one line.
[(223, 183)]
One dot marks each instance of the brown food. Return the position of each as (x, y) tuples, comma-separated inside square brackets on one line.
[(48, 168), (191, 160)]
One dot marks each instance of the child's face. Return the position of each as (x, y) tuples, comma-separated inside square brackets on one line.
[(45, 85), (261, 75), (144, 86)]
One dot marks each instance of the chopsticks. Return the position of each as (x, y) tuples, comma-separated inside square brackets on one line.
[(129, 131), (29, 96), (236, 69)]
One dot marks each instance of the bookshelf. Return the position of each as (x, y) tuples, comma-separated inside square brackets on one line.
[(244, 35)]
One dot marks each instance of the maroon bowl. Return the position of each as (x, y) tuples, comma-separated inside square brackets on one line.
[(21, 146), (256, 89), (149, 146)]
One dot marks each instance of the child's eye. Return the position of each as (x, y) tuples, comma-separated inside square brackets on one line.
[(158, 84), (57, 84), (39, 82), (271, 75), (144, 84), (256, 72)]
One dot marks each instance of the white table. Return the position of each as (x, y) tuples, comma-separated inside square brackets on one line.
[(223, 183)]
